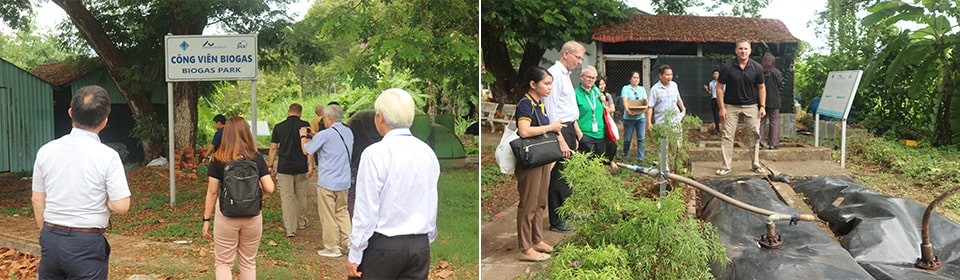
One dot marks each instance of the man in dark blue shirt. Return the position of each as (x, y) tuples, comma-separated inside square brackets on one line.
[(218, 123)]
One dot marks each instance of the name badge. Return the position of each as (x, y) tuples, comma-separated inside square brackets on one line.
[(595, 127)]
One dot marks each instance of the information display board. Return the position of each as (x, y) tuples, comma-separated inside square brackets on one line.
[(210, 57), (838, 93)]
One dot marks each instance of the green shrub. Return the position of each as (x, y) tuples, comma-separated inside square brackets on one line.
[(644, 240)]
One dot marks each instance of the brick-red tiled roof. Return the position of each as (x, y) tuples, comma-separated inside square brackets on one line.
[(57, 73), (684, 28)]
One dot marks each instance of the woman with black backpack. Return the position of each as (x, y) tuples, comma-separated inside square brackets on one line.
[(238, 177)]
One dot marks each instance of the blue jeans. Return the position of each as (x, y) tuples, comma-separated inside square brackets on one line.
[(629, 126)]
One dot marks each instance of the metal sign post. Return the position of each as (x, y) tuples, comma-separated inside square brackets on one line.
[(836, 101), (191, 58)]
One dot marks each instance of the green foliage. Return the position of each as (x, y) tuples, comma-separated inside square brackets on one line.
[(516, 31), (432, 50), (28, 48), (674, 134), (491, 175), (928, 72), (737, 8), (145, 127), (926, 163), (646, 242), (456, 221)]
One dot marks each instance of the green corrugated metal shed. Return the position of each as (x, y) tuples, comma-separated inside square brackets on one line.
[(26, 117), (100, 77)]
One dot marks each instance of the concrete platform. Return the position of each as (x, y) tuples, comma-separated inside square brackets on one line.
[(704, 170), (710, 151), (499, 249)]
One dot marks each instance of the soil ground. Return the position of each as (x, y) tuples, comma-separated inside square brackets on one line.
[(141, 242)]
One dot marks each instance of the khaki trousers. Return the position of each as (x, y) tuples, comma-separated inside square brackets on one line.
[(236, 235), (334, 218), (533, 184), (293, 190), (751, 117)]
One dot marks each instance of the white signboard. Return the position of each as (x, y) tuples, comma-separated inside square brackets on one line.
[(262, 128), (838, 93), (210, 58)]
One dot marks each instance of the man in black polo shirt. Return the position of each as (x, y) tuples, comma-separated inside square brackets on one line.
[(293, 169), (740, 91)]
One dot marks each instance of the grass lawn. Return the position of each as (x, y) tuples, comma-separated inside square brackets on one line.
[(458, 222)]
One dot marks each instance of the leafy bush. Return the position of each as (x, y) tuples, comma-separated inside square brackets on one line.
[(620, 236), (677, 156), (927, 163)]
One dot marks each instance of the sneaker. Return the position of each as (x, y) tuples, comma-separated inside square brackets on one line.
[(774, 147), (304, 223), (290, 234), (562, 227), (723, 171), (758, 170), (329, 253)]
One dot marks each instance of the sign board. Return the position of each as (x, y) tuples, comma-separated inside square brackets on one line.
[(210, 58), (838, 93), (262, 129)]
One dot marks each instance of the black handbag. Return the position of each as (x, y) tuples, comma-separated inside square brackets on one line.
[(537, 150)]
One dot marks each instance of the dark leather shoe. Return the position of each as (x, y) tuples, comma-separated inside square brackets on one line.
[(563, 227)]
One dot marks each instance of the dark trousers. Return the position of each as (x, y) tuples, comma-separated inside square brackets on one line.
[(596, 146), (396, 257), (72, 255), (716, 114), (352, 192), (559, 190)]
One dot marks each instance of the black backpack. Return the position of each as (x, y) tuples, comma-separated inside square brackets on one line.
[(240, 193)]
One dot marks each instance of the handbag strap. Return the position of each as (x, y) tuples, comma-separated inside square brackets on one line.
[(343, 141), (535, 106)]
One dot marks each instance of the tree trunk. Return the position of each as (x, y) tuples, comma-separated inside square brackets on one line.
[(532, 54), (185, 114), (496, 59), (186, 94), (115, 62), (944, 132)]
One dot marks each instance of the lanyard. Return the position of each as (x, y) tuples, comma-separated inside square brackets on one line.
[(593, 105)]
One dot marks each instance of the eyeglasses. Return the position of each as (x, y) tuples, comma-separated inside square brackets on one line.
[(589, 77), (578, 57)]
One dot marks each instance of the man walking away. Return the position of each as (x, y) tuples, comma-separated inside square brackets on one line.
[(293, 170), (332, 147)]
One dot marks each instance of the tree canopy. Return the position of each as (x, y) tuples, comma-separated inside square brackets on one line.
[(127, 37), (526, 29), (436, 40)]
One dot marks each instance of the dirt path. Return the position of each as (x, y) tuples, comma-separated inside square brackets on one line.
[(128, 255)]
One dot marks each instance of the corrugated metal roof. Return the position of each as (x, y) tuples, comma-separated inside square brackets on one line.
[(684, 28), (57, 73)]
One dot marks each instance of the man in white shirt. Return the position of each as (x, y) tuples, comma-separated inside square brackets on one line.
[(77, 182), (561, 105), (395, 216)]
